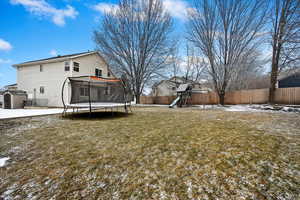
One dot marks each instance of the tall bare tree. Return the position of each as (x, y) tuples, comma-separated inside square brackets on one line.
[(285, 38), (250, 70), (226, 33), (134, 40), (194, 65), (174, 63)]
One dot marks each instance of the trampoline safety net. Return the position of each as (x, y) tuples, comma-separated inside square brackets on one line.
[(92, 89)]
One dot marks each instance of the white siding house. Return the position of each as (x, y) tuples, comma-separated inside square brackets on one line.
[(43, 79), (168, 87)]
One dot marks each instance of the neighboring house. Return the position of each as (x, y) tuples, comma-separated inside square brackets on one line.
[(291, 79), (11, 87), (43, 79), (168, 87)]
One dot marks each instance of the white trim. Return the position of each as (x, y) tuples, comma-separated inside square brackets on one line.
[(53, 60)]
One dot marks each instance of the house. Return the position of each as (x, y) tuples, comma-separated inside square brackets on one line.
[(11, 87), (43, 79), (168, 87), (289, 80)]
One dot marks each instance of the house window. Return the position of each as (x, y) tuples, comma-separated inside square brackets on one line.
[(42, 90), (108, 74), (98, 72), (173, 88), (41, 68), (67, 66), (107, 91), (76, 67), (84, 92)]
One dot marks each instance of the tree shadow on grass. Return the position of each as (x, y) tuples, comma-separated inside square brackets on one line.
[(96, 115)]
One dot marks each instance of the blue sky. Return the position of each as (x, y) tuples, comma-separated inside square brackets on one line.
[(34, 29)]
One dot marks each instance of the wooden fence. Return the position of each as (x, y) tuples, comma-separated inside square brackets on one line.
[(257, 96)]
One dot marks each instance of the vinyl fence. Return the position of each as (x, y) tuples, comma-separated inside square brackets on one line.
[(256, 96)]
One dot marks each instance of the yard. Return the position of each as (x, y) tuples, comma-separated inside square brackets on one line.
[(153, 153)]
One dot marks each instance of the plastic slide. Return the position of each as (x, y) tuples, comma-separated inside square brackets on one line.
[(174, 102)]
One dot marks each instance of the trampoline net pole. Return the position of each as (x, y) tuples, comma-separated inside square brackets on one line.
[(90, 97)]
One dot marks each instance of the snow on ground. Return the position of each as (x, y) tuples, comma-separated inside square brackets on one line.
[(3, 160), (151, 105), (239, 108), (14, 113)]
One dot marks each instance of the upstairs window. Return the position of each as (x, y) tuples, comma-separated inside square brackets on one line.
[(42, 90), (41, 68), (98, 72), (76, 67), (84, 92), (67, 66)]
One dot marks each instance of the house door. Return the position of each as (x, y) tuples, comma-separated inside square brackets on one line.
[(7, 101)]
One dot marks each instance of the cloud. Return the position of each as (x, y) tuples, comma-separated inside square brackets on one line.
[(4, 61), (53, 52), (176, 8), (43, 9), (106, 7), (4, 45)]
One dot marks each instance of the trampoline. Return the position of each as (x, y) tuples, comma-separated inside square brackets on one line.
[(94, 93)]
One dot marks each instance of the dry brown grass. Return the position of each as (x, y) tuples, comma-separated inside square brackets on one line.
[(154, 153)]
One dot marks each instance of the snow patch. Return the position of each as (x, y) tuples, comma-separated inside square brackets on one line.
[(14, 113), (151, 105), (3, 161), (239, 108)]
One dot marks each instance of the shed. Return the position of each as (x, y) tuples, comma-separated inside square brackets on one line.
[(13, 99)]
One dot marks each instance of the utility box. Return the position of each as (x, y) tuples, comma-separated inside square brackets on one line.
[(13, 99)]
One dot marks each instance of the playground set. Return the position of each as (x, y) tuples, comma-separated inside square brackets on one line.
[(184, 93)]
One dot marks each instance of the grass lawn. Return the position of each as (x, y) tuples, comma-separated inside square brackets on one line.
[(154, 153)]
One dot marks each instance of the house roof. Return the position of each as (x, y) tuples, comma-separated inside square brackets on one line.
[(94, 79), (169, 81), (56, 58), (14, 92), (172, 80), (11, 85), (182, 87)]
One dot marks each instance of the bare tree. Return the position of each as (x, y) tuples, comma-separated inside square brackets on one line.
[(174, 63), (226, 32), (250, 70), (194, 65), (134, 40), (285, 38)]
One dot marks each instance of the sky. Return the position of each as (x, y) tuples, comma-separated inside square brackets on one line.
[(35, 29)]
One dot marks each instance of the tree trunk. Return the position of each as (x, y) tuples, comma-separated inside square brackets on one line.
[(277, 48), (222, 98), (274, 71), (274, 75), (137, 97)]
